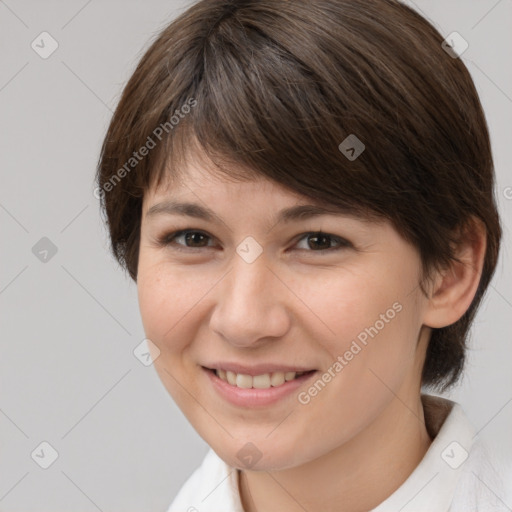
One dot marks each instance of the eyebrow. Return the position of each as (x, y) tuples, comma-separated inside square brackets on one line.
[(291, 214)]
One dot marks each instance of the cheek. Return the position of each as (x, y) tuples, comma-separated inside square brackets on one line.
[(342, 306), (169, 301), (368, 364), (371, 321)]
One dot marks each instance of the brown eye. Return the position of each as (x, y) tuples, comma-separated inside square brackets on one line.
[(322, 242), (191, 239)]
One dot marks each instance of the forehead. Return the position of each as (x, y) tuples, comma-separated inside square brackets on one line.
[(201, 177), (199, 189)]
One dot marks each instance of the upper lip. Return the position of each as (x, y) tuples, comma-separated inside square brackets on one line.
[(256, 369)]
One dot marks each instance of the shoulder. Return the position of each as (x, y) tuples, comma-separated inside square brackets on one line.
[(459, 473), (212, 487), (484, 483)]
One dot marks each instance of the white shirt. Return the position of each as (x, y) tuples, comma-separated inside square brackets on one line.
[(455, 475)]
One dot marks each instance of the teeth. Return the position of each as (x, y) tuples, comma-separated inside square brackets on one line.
[(243, 381), (230, 377), (289, 376), (263, 381), (277, 379)]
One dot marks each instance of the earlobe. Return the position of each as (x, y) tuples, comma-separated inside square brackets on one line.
[(456, 286)]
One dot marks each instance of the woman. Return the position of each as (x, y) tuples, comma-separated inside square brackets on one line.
[(303, 193)]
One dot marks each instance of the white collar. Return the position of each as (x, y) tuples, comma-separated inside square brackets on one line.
[(431, 486)]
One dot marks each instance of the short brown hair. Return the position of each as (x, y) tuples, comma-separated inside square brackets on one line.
[(274, 87)]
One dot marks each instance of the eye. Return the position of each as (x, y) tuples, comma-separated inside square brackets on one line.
[(188, 236), (193, 239), (322, 241)]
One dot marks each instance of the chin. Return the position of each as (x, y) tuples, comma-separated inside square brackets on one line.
[(263, 454)]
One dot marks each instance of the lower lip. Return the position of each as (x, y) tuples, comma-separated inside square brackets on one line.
[(253, 397)]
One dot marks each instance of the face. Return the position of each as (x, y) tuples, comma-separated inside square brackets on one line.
[(259, 297)]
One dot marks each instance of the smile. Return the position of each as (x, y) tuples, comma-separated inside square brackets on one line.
[(263, 381), (261, 390)]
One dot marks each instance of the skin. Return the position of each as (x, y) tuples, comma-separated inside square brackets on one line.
[(296, 304)]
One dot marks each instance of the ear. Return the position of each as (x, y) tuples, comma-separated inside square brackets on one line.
[(456, 286)]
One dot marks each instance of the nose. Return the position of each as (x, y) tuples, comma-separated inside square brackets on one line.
[(251, 304)]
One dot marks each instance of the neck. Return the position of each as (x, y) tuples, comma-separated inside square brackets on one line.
[(385, 454)]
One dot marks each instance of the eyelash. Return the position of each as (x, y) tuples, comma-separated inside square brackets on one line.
[(167, 240)]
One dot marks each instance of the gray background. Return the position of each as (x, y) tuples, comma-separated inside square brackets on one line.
[(68, 375)]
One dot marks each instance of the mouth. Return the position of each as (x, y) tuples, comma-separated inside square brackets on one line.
[(258, 390), (261, 381)]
